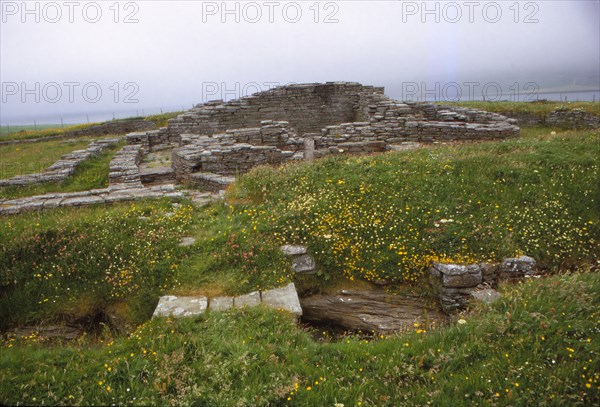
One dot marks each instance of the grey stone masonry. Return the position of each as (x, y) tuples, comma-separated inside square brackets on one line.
[(230, 138), (114, 193), (294, 122), (170, 305), (63, 168), (284, 298), (457, 284), (124, 167)]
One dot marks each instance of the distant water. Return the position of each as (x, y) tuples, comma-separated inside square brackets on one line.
[(575, 96), (87, 117)]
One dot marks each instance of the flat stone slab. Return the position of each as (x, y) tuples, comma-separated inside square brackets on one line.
[(170, 305), (293, 250), (220, 303), (285, 298), (248, 300)]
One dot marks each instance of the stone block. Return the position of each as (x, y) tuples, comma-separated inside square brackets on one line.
[(248, 300), (171, 305), (487, 296), (293, 250), (518, 267), (220, 303), (285, 298), (304, 264)]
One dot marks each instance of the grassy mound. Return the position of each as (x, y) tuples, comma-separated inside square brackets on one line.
[(386, 217), (537, 346), (380, 217)]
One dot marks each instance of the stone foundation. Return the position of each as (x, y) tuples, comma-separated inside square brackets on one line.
[(311, 120)]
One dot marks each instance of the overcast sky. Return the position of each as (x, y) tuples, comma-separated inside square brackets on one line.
[(146, 55)]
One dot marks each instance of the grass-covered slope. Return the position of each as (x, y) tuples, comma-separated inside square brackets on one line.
[(364, 218), (388, 216), (538, 346)]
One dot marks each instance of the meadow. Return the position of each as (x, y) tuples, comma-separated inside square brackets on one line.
[(377, 218)]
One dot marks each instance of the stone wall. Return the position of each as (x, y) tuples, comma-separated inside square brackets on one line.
[(307, 107), (573, 119), (562, 117), (114, 193), (236, 151)]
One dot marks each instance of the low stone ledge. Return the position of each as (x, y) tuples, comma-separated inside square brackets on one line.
[(247, 300), (283, 298), (115, 193)]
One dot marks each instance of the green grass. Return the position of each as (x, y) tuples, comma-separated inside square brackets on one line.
[(388, 216), (160, 120), (27, 132), (364, 218), (5, 130), (540, 109), (537, 346), (91, 174), (21, 159), (73, 263)]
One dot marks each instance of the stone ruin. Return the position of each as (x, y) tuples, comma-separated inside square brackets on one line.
[(215, 141)]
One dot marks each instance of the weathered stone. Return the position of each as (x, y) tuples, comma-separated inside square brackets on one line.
[(518, 267), (248, 300), (374, 310), (487, 296), (293, 250), (304, 264), (171, 305), (285, 298), (221, 303), (455, 275)]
